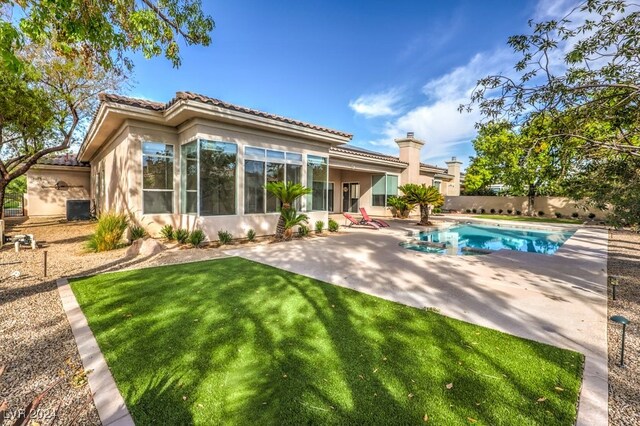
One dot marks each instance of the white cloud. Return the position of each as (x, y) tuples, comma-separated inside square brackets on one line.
[(378, 104)]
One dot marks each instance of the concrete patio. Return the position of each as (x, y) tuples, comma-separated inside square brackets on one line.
[(559, 299)]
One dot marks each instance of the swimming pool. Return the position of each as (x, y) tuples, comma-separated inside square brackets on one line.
[(474, 238)]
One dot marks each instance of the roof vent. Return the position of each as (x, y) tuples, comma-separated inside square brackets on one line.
[(409, 135)]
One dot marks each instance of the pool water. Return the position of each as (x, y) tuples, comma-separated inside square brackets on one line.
[(482, 239)]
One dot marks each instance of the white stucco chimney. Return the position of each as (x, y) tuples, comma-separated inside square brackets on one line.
[(410, 153), (453, 168)]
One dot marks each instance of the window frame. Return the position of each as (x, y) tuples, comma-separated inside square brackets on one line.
[(309, 198), (386, 187), (173, 171)]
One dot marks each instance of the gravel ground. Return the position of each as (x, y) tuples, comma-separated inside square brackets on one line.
[(624, 385), (37, 346)]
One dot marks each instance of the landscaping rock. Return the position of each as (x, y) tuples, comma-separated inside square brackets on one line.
[(150, 247), (134, 249)]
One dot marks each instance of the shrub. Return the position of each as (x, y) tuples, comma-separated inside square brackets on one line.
[(436, 210), (181, 235), (468, 210), (168, 233), (224, 237), (251, 235), (500, 211), (303, 230), (592, 215), (136, 232), (575, 215), (518, 212), (109, 232), (474, 211), (509, 211), (482, 211), (540, 213), (558, 215), (333, 226), (196, 237), (319, 226), (492, 211)]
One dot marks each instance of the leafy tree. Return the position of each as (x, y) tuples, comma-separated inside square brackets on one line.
[(18, 186), (102, 31), (287, 193), (423, 196), (576, 85)]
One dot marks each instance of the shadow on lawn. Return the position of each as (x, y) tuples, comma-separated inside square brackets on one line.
[(267, 346)]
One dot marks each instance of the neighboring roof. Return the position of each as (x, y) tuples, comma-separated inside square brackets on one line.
[(67, 160), (353, 150), (189, 96)]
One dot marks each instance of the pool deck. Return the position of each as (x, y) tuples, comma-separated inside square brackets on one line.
[(559, 299)]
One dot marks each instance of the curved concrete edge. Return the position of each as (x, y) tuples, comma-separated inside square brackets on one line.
[(106, 396)]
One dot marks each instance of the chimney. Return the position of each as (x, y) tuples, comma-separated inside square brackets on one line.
[(410, 153), (453, 168)]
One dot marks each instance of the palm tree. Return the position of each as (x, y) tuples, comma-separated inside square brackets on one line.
[(287, 193), (292, 218), (424, 196)]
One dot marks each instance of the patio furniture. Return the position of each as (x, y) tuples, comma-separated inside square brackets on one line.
[(367, 218), (353, 221)]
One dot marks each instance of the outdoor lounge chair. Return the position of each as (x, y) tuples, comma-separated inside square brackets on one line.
[(367, 218), (353, 221)]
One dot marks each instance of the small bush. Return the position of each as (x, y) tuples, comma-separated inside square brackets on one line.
[(437, 210), (575, 215), (333, 226), (540, 213), (468, 210), (109, 232), (168, 233), (482, 211), (474, 211), (558, 215), (518, 212), (509, 211), (303, 230), (181, 235), (592, 215), (196, 237), (251, 235), (224, 237), (492, 211), (136, 232), (500, 211), (319, 226)]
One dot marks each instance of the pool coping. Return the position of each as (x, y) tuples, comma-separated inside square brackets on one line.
[(109, 403)]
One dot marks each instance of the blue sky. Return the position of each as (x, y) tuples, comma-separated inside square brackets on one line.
[(375, 69)]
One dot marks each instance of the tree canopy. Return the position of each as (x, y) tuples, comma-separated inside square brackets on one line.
[(574, 98)]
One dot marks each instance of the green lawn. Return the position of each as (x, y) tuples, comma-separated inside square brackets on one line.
[(235, 342), (528, 218)]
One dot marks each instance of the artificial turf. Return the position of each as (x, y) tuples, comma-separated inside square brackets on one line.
[(234, 341)]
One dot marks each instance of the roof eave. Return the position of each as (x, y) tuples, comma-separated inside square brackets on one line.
[(366, 158)]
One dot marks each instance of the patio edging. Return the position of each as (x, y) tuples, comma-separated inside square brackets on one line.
[(111, 407)]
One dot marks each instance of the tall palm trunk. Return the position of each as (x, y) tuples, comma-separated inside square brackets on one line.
[(424, 214), (280, 227)]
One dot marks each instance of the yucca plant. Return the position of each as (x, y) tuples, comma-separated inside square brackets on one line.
[(287, 193), (224, 237), (196, 237), (251, 235), (303, 230), (167, 233), (319, 226), (181, 235), (333, 226), (109, 232), (291, 219), (136, 232), (423, 196)]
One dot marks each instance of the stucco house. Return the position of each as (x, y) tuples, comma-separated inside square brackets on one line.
[(196, 161)]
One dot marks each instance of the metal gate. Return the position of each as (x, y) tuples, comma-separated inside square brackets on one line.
[(13, 205)]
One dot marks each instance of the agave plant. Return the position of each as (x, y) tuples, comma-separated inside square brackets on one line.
[(291, 219), (287, 193)]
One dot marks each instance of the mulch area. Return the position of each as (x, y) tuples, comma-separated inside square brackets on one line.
[(624, 383)]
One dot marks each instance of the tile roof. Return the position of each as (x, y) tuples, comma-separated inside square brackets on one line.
[(365, 153), (189, 96), (69, 160), (431, 166)]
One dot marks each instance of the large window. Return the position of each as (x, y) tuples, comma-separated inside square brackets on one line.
[(262, 166), (317, 175), (383, 187), (217, 191), (208, 178), (157, 178)]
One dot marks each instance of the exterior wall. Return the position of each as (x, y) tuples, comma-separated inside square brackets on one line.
[(453, 168), (43, 199), (549, 205)]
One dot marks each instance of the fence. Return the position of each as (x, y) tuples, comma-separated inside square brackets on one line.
[(548, 205), (13, 205)]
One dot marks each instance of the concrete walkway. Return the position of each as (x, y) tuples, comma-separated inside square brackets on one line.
[(559, 299)]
